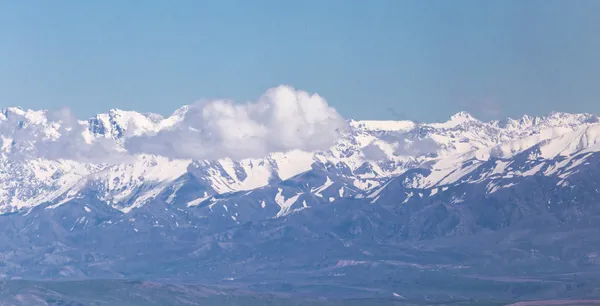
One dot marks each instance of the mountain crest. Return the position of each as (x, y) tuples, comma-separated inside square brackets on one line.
[(47, 161), (464, 116)]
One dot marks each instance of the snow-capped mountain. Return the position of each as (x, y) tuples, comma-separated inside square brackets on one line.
[(389, 205), (52, 158)]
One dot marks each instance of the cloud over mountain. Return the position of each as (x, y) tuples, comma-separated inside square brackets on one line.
[(282, 119)]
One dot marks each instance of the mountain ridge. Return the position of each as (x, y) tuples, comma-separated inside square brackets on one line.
[(391, 209), (367, 154)]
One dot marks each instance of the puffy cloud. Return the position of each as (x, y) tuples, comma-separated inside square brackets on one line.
[(282, 119)]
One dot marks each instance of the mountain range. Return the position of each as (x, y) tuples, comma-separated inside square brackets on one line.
[(456, 210)]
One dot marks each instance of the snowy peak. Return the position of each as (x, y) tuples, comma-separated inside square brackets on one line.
[(51, 157), (21, 115), (457, 119), (119, 123), (461, 117), (557, 155)]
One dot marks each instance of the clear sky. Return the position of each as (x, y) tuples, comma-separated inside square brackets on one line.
[(379, 59)]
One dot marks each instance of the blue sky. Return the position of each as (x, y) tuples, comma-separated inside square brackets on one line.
[(380, 59)]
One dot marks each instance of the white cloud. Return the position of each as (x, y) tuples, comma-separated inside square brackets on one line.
[(282, 119)]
